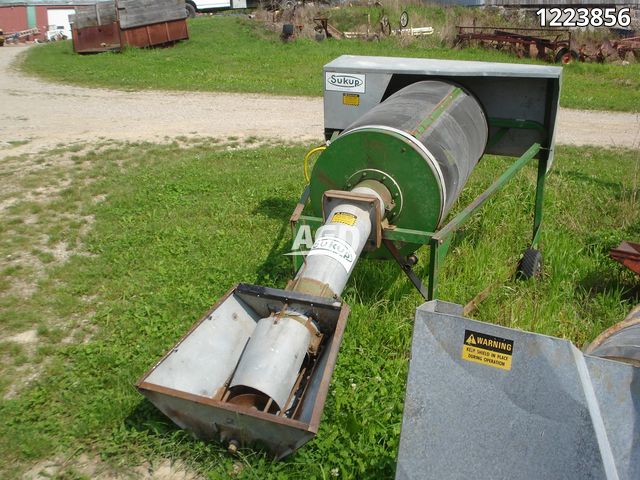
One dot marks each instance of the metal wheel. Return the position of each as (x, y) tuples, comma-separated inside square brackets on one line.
[(191, 10), (530, 265), (404, 19), (385, 26), (566, 56)]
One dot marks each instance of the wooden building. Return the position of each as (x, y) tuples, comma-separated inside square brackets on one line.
[(43, 15)]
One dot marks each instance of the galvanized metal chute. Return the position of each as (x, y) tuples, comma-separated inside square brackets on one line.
[(404, 135), (512, 404), (488, 400)]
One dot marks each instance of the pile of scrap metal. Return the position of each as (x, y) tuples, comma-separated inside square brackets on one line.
[(627, 45), (111, 25), (54, 35), (413, 31), (618, 48), (22, 35), (367, 30), (324, 29), (545, 44), (381, 28)]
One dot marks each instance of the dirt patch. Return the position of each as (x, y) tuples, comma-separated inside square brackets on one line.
[(26, 374), (41, 231), (94, 468), (25, 338)]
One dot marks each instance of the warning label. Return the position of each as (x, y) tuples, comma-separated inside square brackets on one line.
[(344, 217), (487, 349), (351, 99)]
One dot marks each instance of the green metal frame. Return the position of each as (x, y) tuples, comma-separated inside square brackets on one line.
[(440, 240)]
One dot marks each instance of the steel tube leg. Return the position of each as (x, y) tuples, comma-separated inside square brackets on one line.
[(434, 267), (438, 251), (537, 214)]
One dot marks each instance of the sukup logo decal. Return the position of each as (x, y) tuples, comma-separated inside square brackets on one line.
[(345, 82)]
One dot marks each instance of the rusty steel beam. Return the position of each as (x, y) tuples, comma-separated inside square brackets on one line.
[(628, 254)]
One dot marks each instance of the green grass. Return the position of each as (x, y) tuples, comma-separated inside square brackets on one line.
[(178, 227), (235, 55)]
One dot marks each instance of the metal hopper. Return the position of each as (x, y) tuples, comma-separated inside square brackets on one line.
[(191, 383)]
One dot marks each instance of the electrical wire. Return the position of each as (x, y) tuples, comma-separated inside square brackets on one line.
[(307, 156)]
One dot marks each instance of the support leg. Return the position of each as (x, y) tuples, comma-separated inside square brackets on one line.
[(438, 249), (434, 266), (406, 268), (298, 260), (537, 214)]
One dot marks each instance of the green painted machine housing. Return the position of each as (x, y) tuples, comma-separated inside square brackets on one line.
[(421, 143), (396, 163)]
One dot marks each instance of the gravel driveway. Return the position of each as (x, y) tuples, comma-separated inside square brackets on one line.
[(37, 115)]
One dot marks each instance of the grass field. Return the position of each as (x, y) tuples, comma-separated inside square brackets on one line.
[(236, 55), (108, 256)]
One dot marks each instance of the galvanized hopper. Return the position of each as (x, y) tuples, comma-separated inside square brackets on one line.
[(488, 401), (190, 384)]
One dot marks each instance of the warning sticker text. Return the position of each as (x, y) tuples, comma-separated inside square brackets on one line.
[(487, 350)]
